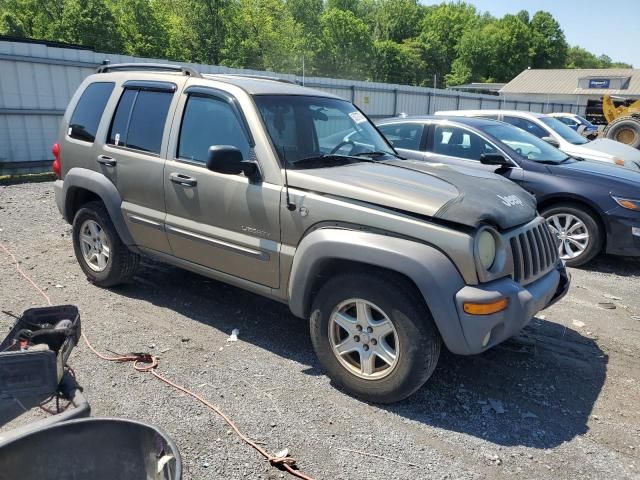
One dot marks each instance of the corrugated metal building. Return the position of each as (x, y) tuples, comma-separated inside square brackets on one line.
[(583, 88), (38, 78)]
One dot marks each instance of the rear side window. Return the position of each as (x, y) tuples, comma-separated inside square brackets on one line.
[(403, 135), (88, 112), (139, 120)]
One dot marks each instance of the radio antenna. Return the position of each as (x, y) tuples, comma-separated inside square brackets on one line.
[(290, 206)]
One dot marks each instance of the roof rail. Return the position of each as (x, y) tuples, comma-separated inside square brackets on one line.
[(257, 77), (107, 67)]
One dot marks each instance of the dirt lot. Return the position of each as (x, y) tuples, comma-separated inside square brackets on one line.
[(560, 401)]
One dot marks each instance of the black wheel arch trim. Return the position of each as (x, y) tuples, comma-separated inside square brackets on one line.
[(94, 182)]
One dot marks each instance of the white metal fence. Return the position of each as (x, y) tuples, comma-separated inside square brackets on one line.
[(37, 81)]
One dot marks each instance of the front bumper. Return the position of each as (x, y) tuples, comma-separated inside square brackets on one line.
[(482, 332), (623, 235)]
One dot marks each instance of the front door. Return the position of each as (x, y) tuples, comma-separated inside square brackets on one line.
[(223, 222)]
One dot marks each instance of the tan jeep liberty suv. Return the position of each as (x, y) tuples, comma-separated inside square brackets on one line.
[(386, 257)]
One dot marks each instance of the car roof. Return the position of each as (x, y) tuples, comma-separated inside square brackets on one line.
[(516, 113), (471, 121), (252, 84), (561, 114), (258, 85)]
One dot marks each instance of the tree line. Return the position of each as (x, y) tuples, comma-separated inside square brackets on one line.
[(395, 41)]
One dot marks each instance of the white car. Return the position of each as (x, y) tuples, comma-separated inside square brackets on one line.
[(561, 136)]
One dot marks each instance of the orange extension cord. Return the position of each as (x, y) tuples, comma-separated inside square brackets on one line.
[(144, 362)]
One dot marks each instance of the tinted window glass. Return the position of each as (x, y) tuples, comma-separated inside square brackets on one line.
[(403, 135), (88, 112), (209, 121), (461, 143), (118, 129), (527, 126), (147, 121)]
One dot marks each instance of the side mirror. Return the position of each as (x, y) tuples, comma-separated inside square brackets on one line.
[(228, 160), (495, 159), (551, 141)]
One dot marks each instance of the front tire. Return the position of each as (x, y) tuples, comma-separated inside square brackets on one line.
[(374, 337), (104, 259), (577, 230)]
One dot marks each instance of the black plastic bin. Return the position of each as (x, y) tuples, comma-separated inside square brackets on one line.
[(91, 449)]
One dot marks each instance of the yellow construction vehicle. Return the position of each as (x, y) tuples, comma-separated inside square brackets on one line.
[(624, 120)]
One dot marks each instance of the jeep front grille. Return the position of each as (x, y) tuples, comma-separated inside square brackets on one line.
[(535, 252)]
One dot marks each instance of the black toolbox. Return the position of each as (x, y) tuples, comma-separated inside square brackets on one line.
[(34, 353)]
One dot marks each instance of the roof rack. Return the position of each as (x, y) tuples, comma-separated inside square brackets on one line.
[(257, 77), (107, 67)]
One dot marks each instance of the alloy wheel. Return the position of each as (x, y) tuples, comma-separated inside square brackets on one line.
[(572, 233), (94, 245), (363, 339)]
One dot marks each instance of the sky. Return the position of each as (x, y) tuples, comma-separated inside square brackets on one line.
[(610, 27)]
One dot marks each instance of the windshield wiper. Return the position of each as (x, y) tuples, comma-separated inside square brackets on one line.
[(327, 157), (377, 153)]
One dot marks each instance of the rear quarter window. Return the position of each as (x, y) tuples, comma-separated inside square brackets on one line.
[(88, 111)]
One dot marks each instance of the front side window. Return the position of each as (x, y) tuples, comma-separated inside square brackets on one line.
[(88, 112), (209, 121), (139, 120), (403, 135), (565, 132), (459, 142), (568, 121), (309, 131), (524, 144), (527, 126)]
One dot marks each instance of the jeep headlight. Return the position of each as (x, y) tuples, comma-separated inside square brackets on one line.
[(486, 248)]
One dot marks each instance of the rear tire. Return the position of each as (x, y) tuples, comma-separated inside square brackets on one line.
[(572, 224), (625, 130), (392, 306), (104, 259)]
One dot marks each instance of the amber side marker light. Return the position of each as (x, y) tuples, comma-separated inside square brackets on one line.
[(486, 308)]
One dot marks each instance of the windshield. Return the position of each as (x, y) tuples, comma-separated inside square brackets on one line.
[(564, 131), (304, 128), (584, 121), (525, 144)]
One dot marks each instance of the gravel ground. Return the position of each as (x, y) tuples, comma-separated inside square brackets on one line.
[(559, 401)]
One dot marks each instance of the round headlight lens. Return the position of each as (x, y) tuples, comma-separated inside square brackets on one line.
[(486, 249)]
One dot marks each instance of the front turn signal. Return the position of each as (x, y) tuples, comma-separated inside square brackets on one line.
[(486, 308)]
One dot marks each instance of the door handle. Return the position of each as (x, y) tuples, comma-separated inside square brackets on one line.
[(108, 161), (183, 180)]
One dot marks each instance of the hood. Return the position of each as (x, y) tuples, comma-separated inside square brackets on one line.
[(464, 196), (603, 170), (606, 149)]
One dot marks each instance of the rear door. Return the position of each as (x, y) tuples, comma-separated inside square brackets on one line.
[(223, 222), (134, 157)]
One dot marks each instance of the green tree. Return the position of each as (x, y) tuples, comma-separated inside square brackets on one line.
[(578, 57), (497, 52), (398, 62), (141, 27), (345, 45), (265, 37), (10, 24), (548, 42), (349, 5), (442, 29), (90, 22), (395, 20)]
